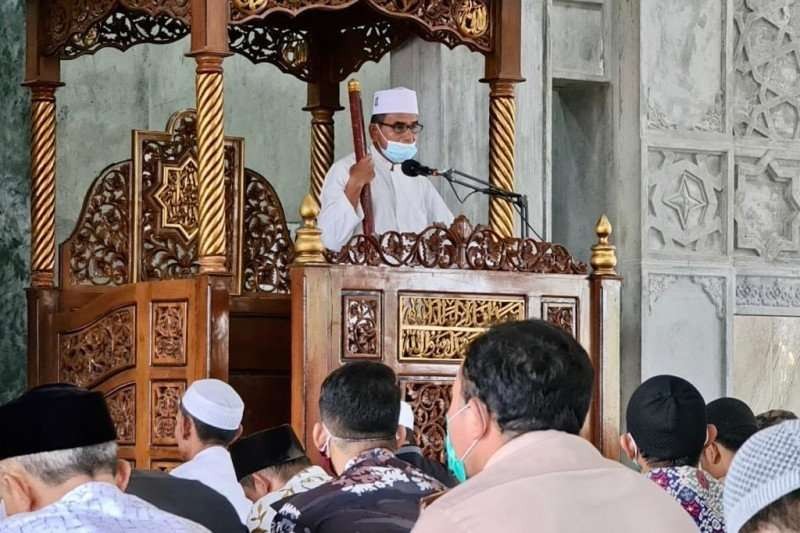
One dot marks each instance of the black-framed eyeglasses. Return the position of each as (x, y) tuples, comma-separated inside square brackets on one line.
[(401, 127)]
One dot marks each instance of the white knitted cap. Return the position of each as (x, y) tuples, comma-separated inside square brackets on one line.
[(406, 416), (766, 468), (214, 402), (397, 100)]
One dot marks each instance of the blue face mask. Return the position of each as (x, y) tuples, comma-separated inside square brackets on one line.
[(455, 463), (397, 152)]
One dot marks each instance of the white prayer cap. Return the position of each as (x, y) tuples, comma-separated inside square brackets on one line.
[(215, 403), (397, 100), (406, 416)]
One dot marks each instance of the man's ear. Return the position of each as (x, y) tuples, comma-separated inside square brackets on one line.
[(319, 435), (238, 434), (482, 419), (187, 428), (123, 476), (628, 446), (711, 434), (18, 494), (401, 435)]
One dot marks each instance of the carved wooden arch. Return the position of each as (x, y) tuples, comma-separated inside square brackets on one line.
[(139, 221)]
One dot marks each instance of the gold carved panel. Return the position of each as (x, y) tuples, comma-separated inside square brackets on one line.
[(99, 350), (430, 401), (561, 312), (168, 333), (440, 327), (178, 197), (361, 321), (122, 406), (165, 397)]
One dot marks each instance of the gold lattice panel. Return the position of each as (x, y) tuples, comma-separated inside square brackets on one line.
[(441, 326)]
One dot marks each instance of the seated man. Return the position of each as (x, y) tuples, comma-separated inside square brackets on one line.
[(58, 462), (762, 492), (400, 203), (735, 423), (272, 465), (375, 492), (773, 417), (409, 452), (519, 401), (184, 497), (667, 432), (209, 419)]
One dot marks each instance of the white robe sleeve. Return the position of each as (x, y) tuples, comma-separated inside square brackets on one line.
[(338, 220), (437, 209)]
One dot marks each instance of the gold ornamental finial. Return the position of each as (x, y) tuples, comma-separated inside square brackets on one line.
[(308, 247), (604, 255), (353, 86)]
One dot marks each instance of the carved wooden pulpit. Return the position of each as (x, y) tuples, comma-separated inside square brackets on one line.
[(416, 301)]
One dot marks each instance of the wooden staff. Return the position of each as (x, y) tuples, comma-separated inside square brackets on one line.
[(360, 148)]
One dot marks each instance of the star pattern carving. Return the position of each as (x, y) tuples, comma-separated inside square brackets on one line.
[(178, 198), (684, 202)]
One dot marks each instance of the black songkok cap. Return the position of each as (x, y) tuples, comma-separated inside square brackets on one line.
[(54, 417), (734, 420), (667, 418), (271, 447)]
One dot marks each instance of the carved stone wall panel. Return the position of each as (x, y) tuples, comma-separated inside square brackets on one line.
[(169, 321), (99, 250), (561, 312), (267, 248), (684, 329), (768, 292), (165, 398), (686, 209), (99, 350), (767, 69), (441, 326), (430, 401), (712, 286), (685, 47), (767, 214), (362, 316), (122, 406)]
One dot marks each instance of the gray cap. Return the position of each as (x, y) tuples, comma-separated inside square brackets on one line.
[(766, 468)]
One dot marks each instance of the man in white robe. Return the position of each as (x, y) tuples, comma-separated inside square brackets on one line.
[(209, 420), (59, 470), (399, 202)]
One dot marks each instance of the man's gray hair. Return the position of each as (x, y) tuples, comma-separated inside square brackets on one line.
[(54, 468)]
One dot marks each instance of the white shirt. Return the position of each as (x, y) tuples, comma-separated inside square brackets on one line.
[(263, 514), (214, 467), (399, 202), (97, 507)]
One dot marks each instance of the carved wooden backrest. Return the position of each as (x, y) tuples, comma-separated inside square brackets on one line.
[(140, 217)]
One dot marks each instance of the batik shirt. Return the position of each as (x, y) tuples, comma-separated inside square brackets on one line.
[(376, 493), (262, 514), (699, 494), (98, 508)]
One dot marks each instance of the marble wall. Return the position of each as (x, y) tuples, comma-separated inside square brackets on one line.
[(14, 217)]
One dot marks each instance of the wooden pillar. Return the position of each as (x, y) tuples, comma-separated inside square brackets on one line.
[(42, 76), (502, 73), (209, 48), (323, 102)]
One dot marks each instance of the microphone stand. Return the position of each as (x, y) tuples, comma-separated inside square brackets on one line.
[(484, 187)]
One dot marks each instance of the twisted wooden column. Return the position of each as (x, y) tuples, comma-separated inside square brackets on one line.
[(502, 116), (321, 148), (43, 184), (210, 164)]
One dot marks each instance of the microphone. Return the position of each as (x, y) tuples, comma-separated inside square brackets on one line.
[(413, 168)]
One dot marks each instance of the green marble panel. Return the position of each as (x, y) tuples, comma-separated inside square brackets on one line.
[(14, 193)]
